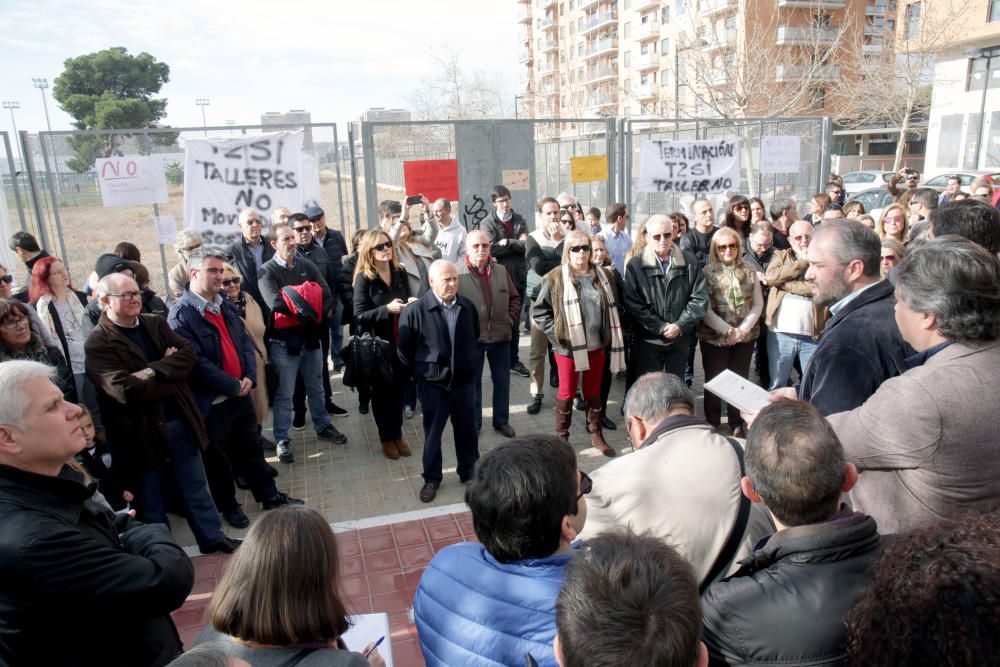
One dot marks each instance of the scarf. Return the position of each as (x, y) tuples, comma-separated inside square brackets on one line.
[(241, 305), (574, 322), (35, 350), (75, 307)]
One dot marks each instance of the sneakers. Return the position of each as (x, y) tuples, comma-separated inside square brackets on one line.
[(328, 432), (517, 368), (408, 412), (335, 410), (279, 500), (226, 545), (284, 448), (535, 405), (235, 517), (299, 421)]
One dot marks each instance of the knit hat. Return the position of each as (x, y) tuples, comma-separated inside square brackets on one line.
[(109, 263)]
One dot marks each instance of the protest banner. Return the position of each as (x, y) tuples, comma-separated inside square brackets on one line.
[(587, 168), (433, 179), (226, 175), (779, 154), (131, 180), (694, 167)]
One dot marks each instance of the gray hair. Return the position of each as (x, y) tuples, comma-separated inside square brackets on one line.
[(104, 286), (187, 237), (13, 376), (655, 394), (197, 257), (851, 240), (958, 282), (658, 217)]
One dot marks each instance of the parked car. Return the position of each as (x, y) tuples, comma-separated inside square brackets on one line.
[(940, 181), (858, 181), (874, 200)]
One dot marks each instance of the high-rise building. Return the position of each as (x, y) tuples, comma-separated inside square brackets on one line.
[(695, 58), (295, 117)]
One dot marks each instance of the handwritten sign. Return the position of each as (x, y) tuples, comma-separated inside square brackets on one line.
[(166, 229), (224, 176), (779, 154), (432, 178), (695, 167), (587, 168), (517, 179), (131, 180)]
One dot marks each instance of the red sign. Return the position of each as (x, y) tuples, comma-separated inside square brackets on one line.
[(432, 178)]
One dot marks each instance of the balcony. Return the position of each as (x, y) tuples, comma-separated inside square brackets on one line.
[(870, 30), (596, 101), (812, 4), (717, 77), (800, 36), (871, 48), (601, 47), (548, 46), (548, 88), (525, 57), (547, 67), (524, 14), (524, 35), (645, 91), (646, 61), (648, 5), (713, 7), (791, 73), (596, 75), (599, 21), (545, 4), (878, 9), (587, 4), (718, 42), (648, 30)]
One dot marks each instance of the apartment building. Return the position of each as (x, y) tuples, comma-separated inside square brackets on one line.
[(704, 58), (295, 117), (964, 124)]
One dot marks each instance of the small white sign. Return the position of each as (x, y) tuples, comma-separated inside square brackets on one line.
[(779, 154), (131, 180), (693, 167), (166, 229)]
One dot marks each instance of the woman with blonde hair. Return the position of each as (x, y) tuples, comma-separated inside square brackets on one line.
[(892, 252), (381, 291), (730, 327), (279, 599), (577, 308), (177, 280), (894, 224)]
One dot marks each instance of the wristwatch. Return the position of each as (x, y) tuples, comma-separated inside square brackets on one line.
[(148, 372)]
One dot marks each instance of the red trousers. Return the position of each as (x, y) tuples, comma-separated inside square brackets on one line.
[(568, 375)]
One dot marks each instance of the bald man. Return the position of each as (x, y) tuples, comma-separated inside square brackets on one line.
[(437, 344)]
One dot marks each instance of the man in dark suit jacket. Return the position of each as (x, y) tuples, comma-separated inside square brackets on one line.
[(437, 343), (249, 252), (861, 346)]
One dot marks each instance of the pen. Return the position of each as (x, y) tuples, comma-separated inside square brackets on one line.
[(372, 649)]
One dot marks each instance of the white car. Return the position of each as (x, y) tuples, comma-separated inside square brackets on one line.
[(857, 181), (874, 200)]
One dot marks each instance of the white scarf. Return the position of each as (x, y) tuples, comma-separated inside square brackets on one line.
[(574, 321), (75, 307)]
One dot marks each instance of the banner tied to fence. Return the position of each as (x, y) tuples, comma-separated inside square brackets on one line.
[(694, 167), (226, 175)]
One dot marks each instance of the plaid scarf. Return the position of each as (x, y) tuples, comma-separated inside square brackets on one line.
[(574, 322)]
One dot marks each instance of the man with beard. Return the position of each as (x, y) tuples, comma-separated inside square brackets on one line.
[(861, 346)]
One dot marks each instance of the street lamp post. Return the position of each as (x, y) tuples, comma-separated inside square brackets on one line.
[(17, 139), (203, 102), (41, 85)]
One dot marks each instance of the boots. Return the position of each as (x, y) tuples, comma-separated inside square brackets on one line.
[(564, 417), (389, 449), (403, 447), (594, 414)]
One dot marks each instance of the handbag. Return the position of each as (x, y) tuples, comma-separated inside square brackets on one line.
[(368, 361)]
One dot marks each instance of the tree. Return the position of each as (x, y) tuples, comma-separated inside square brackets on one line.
[(896, 91), (106, 90), (450, 93)]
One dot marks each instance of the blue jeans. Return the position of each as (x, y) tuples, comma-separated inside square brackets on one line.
[(336, 333), (188, 473), (498, 355), (310, 364), (781, 351)]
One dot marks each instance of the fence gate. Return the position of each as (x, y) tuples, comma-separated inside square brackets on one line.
[(490, 152)]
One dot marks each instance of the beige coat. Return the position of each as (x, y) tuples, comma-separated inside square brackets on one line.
[(254, 322), (684, 487), (926, 441)]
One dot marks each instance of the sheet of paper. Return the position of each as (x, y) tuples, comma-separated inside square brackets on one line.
[(367, 628), (166, 228), (738, 391)]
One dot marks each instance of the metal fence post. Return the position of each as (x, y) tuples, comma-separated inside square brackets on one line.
[(340, 185), (13, 180), (29, 166), (156, 214), (354, 177), (826, 132), (371, 174), (42, 136)]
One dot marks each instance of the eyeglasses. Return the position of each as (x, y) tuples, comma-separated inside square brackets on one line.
[(888, 258), (253, 221), (894, 218), (728, 246), (7, 279), (502, 200), (315, 219), (567, 221), (740, 207), (230, 281), (14, 322), (382, 246), (579, 248), (305, 228), (586, 485), (480, 246), (128, 296), (666, 236)]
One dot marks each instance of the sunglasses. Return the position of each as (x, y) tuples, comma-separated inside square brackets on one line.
[(382, 246), (586, 485), (230, 281), (579, 248), (728, 246), (306, 228), (888, 258), (664, 237), (740, 207), (7, 279)]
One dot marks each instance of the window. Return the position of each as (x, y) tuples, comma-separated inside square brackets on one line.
[(627, 59), (579, 24), (821, 21), (818, 98), (993, 143), (627, 4), (984, 71), (664, 77), (972, 135), (913, 20), (680, 7), (644, 79), (626, 31), (950, 141), (644, 49), (665, 15), (579, 50), (994, 14), (665, 46), (644, 19), (571, 4)]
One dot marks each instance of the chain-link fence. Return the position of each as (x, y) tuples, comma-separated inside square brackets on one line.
[(814, 135), (531, 156)]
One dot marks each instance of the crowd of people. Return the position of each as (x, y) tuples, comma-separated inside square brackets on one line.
[(827, 528)]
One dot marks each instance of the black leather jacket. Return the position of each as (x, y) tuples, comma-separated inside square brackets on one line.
[(786, 603), (654, 300)]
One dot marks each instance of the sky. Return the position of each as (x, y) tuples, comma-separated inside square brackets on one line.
[(333, 59)]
